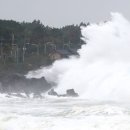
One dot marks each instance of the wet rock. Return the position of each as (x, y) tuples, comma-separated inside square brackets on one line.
[(71, 93), (52, 92), (17, 83)]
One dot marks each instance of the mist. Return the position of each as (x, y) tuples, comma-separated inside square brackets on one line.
[(102, 71)]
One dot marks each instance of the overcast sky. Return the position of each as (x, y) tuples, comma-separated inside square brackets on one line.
[(58, 13)]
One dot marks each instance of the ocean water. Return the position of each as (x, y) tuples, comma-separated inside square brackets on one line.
[(62, 114), (102, 70), (101, 77)]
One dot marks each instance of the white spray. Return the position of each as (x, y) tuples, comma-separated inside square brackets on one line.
[(102, 71)]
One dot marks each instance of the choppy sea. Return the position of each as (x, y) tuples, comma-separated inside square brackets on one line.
[(62, 114)]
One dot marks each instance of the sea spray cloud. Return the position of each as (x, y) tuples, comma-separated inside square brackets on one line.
[(102, 72)]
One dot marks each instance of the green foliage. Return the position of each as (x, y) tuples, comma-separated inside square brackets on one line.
[(33, 36), (7, 28), (36, 33)]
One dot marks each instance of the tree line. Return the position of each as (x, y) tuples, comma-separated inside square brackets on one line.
[(35, 32), (18, 39)]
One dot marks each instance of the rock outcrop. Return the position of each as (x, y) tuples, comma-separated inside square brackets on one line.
[(16, 83), (69, 93)]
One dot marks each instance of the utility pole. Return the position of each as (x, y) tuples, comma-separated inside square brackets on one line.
[(12, 38), (15, 48), (24, 49)]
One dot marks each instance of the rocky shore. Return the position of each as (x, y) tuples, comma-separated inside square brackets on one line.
[(18, 83), (69, 93)]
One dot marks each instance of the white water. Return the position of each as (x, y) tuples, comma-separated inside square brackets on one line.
[(101, 76), (102, 72), (62, 114)]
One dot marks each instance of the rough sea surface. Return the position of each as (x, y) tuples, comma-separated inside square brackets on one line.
[(62, 114), (101, 77)]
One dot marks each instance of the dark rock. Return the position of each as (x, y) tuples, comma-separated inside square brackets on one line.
[(52, 92), (71, 93), (16, 83)]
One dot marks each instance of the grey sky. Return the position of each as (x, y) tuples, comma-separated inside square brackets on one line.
[(62, 12)]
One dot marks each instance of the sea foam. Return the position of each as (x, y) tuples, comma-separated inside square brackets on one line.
[(102, 71)]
